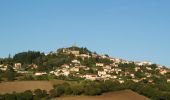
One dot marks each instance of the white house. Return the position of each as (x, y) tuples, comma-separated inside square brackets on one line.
[(40, 73), (143, 63), (51, 72), (148, 68), (114, 76), (148, 74), (4, 68), (65, 66), (137, 68), (168, 80), (116, 60), (86, 68), (107, 76), (1, 65), (135, 80), (91, 77), (107, 67), (121, 81), (114, 64), (118, 69), (83, 56), (66, 73), (75, 69), (75, 61), (132, 75), (101, 73), (100, 64), (106, 70)]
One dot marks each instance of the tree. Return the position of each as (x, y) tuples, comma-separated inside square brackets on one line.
[(59, 90), (92, 88), (39, 94), (28, 95), (77, 89), (52, 93), (139, 74), (9, 97), (1, 75), (28, 57), (2, 97), (10, 73)]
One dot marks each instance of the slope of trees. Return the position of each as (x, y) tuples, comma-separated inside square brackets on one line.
[(28, 57)]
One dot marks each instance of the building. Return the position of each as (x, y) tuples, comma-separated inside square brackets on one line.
[(100, 64), (33, 66), (75, 69), (1, 65), (114, 76), (101, 73), (3, 68), (143, 63), (65, 66), (115, 60), (75, 61), (135, 80), (74, 52), (121, 81), (17, 65), (66, 73), (40, 73), (91, 77), (148, 68), (83, 56), (163, 71), (168, 80), (68, 51), (137, 68), (132, 75)]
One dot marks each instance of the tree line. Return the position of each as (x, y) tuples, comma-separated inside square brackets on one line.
[(91, 88)]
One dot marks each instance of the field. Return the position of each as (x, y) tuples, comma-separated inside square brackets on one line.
[(119, 95), (20, 86)]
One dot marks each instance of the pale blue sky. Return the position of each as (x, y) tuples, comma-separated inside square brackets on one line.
[(130, 29)]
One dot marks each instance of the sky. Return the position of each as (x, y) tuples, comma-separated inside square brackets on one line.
[(137, 30)]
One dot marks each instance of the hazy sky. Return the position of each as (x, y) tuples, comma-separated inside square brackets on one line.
[(130, 29)]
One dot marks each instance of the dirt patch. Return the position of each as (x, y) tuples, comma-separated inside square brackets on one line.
[(20, 86), (119, 95)]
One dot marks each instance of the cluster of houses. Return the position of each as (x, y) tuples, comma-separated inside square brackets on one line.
[(103, 71)]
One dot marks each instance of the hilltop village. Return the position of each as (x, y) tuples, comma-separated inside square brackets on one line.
[(75, 62)]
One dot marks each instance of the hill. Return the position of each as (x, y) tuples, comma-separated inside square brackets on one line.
[(94, 73)]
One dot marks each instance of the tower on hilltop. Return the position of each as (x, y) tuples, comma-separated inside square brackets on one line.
[(74, 45)]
